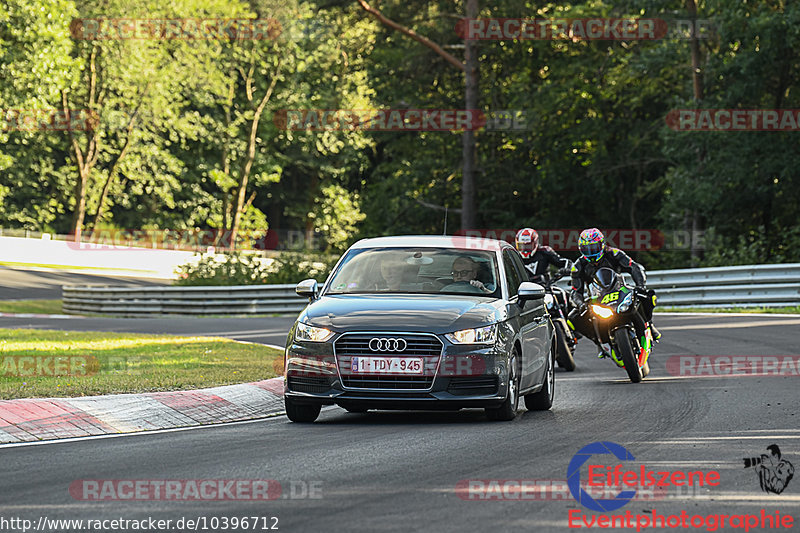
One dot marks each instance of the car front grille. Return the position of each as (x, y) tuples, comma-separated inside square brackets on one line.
[(387, 382), (309, 384), (426, 347), (473, 386)]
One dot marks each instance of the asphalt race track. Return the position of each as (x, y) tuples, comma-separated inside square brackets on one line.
[(398, 471), (24, 283)]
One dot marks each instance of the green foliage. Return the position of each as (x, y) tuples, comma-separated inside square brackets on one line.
[(176, 116), (336, 214), (240, 268), (294, 267), (236, 268), (753, 248)]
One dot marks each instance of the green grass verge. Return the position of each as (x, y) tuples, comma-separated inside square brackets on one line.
[(53, 307), (46, 363), (769, 310), (14, 264), (48, 307)]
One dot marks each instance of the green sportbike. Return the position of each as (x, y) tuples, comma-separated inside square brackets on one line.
[(619, 322)]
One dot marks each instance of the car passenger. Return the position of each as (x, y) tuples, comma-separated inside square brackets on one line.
[(397, 275)]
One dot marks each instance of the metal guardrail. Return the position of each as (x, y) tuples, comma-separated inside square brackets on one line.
[(210, 300), (739, 286)]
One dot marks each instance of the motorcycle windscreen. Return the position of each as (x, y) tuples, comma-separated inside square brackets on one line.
[(605, 278)]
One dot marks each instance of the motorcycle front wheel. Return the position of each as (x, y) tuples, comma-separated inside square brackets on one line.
[(564, 356), (622, 339)]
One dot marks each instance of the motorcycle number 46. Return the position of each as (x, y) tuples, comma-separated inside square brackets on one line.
[(610, 297)]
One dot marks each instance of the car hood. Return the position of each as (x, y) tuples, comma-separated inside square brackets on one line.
[(429, 313)]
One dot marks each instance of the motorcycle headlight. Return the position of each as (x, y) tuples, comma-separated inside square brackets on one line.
[(484, 335), (304, 332), (625, 304), (602, 312)]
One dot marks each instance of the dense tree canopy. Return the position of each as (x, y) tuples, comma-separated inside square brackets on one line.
[(197, 132)]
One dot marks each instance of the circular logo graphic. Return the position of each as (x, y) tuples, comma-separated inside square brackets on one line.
[(574, 476), (381, 344)]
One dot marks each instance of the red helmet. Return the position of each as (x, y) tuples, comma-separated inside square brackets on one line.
[(527, 242)]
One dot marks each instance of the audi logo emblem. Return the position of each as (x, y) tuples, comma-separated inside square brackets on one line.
[(378, 344)]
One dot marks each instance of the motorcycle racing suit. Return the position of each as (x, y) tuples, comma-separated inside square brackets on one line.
[(538, 263)]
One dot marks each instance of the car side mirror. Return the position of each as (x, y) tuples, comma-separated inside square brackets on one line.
[(530, 291), (308, 288)]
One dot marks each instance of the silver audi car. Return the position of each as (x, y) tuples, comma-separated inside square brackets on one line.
[(422, 322)]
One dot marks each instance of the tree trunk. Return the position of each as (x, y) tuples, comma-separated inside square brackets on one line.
[(694, 44), (468, 206), (112, 173), (84, 160), (240, 203), (80, 202), (470, 68), (697, 85)]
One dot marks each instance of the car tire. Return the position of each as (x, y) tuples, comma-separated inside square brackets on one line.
[(508, 409), (543, 400), (564, 358), (299, 412)]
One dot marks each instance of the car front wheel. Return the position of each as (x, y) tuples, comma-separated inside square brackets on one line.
[(543, 400), (508, 410), (299, 412)]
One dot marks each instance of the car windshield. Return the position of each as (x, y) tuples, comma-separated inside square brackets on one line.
[(417, 271)]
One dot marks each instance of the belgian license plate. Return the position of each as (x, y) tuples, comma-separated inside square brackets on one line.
[(387, 365)]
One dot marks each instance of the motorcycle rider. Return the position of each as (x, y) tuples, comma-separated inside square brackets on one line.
[(537, 258), (595, 254)]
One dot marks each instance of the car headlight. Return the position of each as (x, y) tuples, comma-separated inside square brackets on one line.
[(602, 312), (625, 304), (304, 332), (484, 335)]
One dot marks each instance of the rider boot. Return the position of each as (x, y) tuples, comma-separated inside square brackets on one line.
[(604, 350), (655, 332)]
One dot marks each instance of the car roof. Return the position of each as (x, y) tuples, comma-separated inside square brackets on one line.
[(434, 241)]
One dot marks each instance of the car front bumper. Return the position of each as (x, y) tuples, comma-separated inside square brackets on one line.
[(458, 376)]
